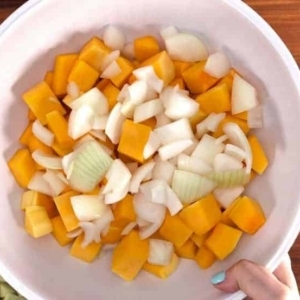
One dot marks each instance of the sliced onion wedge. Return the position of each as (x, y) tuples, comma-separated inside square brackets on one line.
[(73, 90), (100, 122), (217, 65), (173, 149), (211, 123), (152, 145), (160, 252), (226, 196), (124, 93), (162, 120), (163, 170), (225, 162), (111, 71), (255, 117), (168, 32), (132, 167), (56, 184), (39, 184), (42, 133), (113, 38), (99, 134), (147, 110), (128, 228), (138, 92), (47, 161), (111, 57), (128, 51), (102, 224), (155, 191), (193, 164)]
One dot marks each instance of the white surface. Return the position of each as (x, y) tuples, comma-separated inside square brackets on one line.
[(40, 269)]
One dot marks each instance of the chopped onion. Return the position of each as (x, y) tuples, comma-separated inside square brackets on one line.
[(163, 170), (225, 162), (152, 145), (235, 152), (128, 228), (160, 252), (132, 167), (99, 134), (86, 138), (114, 124), (155, 191), (42, 133), (74, 233), (173, 149), (162, 120), (151, 94), (168, 32), (149, 230), (244, 95), (113, 38), (221, 139), (101, 224), (63, 178), (147, 110), (173, 203), (100, 122), (89, 230), (255, 117), (39, 184), (138, 92), (192, 148), (128, 108), (111, 71), (148, 177), (124, 94), (190, 187), (56, 184), (226, 196), (47, 161), (186, 47), (73, 90), (142, 223), (193, 164), (174, 160), (211, 123), (217, 65), (128, 51), (110, 58)]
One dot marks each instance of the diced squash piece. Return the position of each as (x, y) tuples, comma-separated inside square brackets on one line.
[(145, 47), (63, 65), (60, 232), (65, 209), (113, 236), (162, 65), (197, 80), (260, 160), (187, 250), (205, 258), (111, 93), (125, 159), (228, 79), (179, 82), (87, 254), (27, 133), (22, 167), (41, 100), (215, 100), (131, 79), (31, 116), (34, 144), (130, 256), (163, 272), (243, 115), (37, 221), (33, 198), (102, 84), (94, 192), (175, 230), (67, 100), (199, 239), (202, 215), (197, 118), (150, 122), (223, 240), (134, 138), (126, 67), (180, 67), (60, 149), (59, 126), (49, 78), (247, 215), (94, 53), (124, 212), (83, 75), (225, 215)]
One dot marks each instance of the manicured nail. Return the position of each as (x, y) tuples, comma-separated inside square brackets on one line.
[(218, 278)]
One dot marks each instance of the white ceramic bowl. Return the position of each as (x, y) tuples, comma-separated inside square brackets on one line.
[(29, 41)]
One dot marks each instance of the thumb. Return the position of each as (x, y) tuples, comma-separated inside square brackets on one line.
[(254, 280)]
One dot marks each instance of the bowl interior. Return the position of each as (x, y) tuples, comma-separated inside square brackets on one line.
[(43, 270)]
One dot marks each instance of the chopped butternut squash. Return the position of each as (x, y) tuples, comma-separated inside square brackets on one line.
[(243, 115), (124, 212), (150, 122), (180, 67), (199, 239), (197, 118), (205, 258), (60, 149), (111, 93), (102, 84), (113, 236), (27, 133), (34, 144), (31, 116), (126, 67), (60, 232), (228, 79), (49, 78), (145, 47), (225, 215), (187, 250), (131, 79), (178, 82)]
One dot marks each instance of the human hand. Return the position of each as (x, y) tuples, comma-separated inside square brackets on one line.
[(257, 282)]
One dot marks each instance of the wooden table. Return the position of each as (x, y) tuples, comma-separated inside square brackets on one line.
[(284, 17)]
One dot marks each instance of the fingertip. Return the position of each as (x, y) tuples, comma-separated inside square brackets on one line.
[(218, 278)]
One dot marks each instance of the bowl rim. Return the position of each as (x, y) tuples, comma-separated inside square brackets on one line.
[(292, 67)]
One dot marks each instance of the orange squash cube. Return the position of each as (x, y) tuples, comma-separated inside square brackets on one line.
[(31, 116), (205, 258), (175, 230), (202, 215), (34, 144), (163, 272), (60, 232), (41, 100), (124, 212), (180, 67), (87, 254), (225, 215), (111, 93), (126, 67), (49, 78), (243, 115), (179, 82), (27, 133), (223, 240), (197, 118), (199, 239), (60, 149), (130, 256), (113, 236), (134, 138), (102, 84), (83, 75), (22, 167), (150, 122), (228, 79), (187, 250), (131, 79), (145, 47)]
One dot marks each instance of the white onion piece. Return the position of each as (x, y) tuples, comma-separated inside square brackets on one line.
[(128, 108), (110, 58), (67, 161), (100, 122), (147, 110), (132, 167), (255, 117), (138, 92), (56, 184), (62, 177), (244, 95), (93, 98), (193, 164), (211, 123), (124, 93), (89, 230), (148, 75), (42, 133), (173, 149), (39, 184), (168, 32), (176, 131), (151, 94), (103, 223), (128, 228), (142, 223), (162, 120), (160, 252), (152, 145), (224, 162), (99, 134), (148, 177), (207, 149), (81, 121), (139, 175), (174, 160), (163, 170), (235, 152), (73, 90), (155, 191), (147, 231), (113, 38), (173, 203), (186, 47), (226, 196), (86, 138), (111, 71), (221, 139), (47, 161), (74, 233), (217, 65), (128, 51), (192, 148), (114, 124)]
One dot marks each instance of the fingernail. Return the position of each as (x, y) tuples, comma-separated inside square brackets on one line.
[(218, 278)]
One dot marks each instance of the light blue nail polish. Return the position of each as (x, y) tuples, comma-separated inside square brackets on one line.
[(218, 278)]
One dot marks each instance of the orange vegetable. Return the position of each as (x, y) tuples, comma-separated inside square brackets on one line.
[(60, 232), (67, 100), (199, 239), (126, 67), (179, 82), (102, 84), (31, 116), (150, 122), (34, 144), (180, 67), (111, 93), (131, 79), (145, 47), (27, 133), (187, 250), (113, 236), (243, 115), (60, 149), (228, 79), (124, 212), (197, 118), (225, 215), (202, 215), (49, 78), (205, 258)]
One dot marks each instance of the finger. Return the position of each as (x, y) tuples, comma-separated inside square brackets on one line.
[(254, 280)]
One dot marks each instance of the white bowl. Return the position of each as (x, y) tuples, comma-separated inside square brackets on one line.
[(29, 41)]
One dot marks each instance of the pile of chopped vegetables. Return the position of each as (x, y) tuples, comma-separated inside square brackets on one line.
[(143, 147), (7, 292)]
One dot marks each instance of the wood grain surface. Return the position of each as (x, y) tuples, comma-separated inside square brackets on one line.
[(282, 15)]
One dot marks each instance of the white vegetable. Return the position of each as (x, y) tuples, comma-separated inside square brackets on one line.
[(100, 122), (221, 139), (73, 90), (244, 95), (93, 98), (160, 252), (128, 108), (193, 164), (192, 148), (111, 71), (168, 32), (89, 230), (114, 124), (56, 184), (211, 123), (82, 140), (152, 145), (113, 38), (186, 47), (173, 203), (149, 230), (132, 167), (74, 233), (128, 51), (225, 162), (255, 117), (190, 187), (103, 223), (155, 191), (217, 65), (128, 228), (151, 94), (42, 133), (173, 149), (147, 110), (142, 223), (124, 93), (39, 184), (47, 161), (110, 58), (138, 92), (163, 170), (99, 134), (162, 120), (226, 196), (62, 177), (235, 152)]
